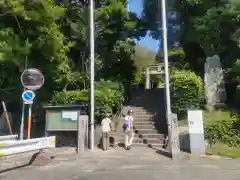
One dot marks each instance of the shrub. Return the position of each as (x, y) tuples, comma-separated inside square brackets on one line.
[(236, 98), (233, 84), (226, 131), (108, 97), (187, 91)]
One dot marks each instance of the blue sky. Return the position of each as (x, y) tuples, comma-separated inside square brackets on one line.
[(137, 7)]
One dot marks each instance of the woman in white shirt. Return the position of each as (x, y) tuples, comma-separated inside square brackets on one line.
[(128, 129), (106, 128)]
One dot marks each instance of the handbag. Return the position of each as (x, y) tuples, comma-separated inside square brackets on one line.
[(125, 126)]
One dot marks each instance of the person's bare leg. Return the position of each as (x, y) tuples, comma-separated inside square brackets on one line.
[(126, 140), (131, 134)]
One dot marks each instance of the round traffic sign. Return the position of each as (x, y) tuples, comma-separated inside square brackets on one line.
[(28, 95), (32, 79)]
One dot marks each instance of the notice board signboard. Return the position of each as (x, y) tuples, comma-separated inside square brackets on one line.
[(63, 118)]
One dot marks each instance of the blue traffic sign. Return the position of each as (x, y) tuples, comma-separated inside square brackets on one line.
[(28, 95)]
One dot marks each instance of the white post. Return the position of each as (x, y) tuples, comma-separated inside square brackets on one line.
[(167, 83), (92, 74)]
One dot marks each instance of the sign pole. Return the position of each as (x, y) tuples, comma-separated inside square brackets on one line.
[(22, 122), (29, 120), (31, 79), (23, 106)]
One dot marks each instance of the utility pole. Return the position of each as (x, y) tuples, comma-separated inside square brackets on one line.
[(92, 74), (167, 81)]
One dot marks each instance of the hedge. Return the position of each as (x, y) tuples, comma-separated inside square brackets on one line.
[(109, 97), (226, 131), (187, 91)]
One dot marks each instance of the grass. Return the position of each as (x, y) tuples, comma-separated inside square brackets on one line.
[(224, 150), (216, 115)]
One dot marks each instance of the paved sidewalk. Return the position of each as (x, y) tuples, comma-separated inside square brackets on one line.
[(139, 163)]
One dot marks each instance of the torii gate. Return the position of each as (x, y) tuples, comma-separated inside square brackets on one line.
[(153, 70)]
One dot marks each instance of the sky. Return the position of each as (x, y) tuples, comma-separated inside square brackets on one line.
[(137, 7)]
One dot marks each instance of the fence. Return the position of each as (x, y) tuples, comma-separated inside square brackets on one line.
[(7, 138), (11, 146)]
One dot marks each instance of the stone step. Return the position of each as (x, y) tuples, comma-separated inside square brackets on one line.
[(150, 141), (148, 135), (147, 131), (120, 136), (135, 116), (143, 141), (144, 126), (140, 110), (143, 123), (142, 119), (147, 145)]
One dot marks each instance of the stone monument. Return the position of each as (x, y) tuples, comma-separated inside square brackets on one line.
[(215, 91)]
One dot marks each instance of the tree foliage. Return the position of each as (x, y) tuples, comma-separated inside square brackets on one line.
[(53, 36), (187, 91), (152, 18)]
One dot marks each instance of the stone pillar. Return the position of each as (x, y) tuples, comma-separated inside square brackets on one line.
[(147, 79)]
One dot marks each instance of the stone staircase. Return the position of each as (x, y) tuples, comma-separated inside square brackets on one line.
[(149, 118)]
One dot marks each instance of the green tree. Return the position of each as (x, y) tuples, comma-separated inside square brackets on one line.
[(115, 28), (29, 30), (54, 37)]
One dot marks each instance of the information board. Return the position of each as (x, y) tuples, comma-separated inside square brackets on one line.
[(61, 120)]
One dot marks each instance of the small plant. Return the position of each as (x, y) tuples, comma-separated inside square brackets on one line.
[(226, 131), (109, 97)]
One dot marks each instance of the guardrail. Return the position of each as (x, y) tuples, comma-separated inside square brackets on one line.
[(8, 137), (11, 147)]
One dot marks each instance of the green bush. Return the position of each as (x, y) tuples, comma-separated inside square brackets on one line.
[(236, 98), (187, 91), (226, 131), (109, 97)]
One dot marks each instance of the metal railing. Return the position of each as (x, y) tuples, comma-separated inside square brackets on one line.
[(12, 146), (8, 137)]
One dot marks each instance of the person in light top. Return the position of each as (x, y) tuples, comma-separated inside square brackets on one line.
[(106, 128), (128, 129)]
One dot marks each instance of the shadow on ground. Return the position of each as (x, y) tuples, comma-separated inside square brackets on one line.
[(36, 159)]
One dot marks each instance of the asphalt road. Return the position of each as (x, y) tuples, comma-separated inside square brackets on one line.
[(139, 163)]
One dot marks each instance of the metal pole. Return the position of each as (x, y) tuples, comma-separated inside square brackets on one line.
[(22, 122), (92, 74), (167, 83), (29, 121), (23, 108)]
